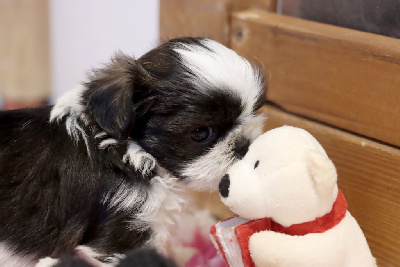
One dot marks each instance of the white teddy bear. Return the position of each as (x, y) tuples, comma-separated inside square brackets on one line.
[(287, 176)]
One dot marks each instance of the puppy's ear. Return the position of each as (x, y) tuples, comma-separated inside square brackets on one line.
[(110, 95), (322, 171)]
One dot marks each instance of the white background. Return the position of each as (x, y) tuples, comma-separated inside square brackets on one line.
[(85, 34)]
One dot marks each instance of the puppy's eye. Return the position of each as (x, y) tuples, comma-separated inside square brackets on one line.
[(256, 165), (201, 134)]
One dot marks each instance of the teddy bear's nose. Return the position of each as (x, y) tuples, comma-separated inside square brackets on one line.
[(241, 147), (224, 185)]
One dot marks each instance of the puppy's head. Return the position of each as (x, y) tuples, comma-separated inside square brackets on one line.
[(190, 103)]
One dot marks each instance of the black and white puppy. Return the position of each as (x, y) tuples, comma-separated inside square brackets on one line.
[(103, 170)]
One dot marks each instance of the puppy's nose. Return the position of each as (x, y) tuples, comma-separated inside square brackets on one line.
[(224, 185), (241, 147)]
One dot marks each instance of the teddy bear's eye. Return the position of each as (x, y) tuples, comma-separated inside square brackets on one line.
[(256, 165)]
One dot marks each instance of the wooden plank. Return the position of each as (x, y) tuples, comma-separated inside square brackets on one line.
[(199, 18), (24, 50), (204, 18), (263, 5), (346, 78), (368, 174)]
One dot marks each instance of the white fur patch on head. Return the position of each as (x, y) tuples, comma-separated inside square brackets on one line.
[(253, 126), (215, 66)]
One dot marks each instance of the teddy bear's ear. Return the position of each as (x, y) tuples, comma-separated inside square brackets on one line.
[(322, 171)]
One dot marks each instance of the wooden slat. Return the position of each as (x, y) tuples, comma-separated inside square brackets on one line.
[(204, 18), (263, 5), (368, 174), (343, 77), (24, 50)]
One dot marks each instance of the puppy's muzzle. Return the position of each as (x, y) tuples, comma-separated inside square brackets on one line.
[(224, 186), (241, 147)]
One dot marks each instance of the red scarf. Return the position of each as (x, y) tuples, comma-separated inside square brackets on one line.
[(320, 224)]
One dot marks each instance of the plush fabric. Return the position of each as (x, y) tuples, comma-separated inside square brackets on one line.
[(287, 180)]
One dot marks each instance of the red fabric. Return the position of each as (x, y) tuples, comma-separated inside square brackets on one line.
[(319, 225), (244, 231)]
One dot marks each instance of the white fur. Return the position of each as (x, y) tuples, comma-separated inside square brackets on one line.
[(166, 200), (138, 158), (90, 256), (294, 182), (70, 106), (205, 172), (87, 254), (8, 258), (47, 262), (107, 142), (160, 207), (253, 126), (126, 198), (219, 66), (100, 135), (69, 103)]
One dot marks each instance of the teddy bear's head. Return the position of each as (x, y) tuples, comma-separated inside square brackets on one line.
[(285, 175)]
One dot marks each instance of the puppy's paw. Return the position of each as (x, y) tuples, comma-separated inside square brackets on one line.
[(47, 262), (140, 159)]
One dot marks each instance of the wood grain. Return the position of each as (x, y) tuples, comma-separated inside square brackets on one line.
[(368, 174), (24, 50), (198, 18), (204, 18), (263, 5), (343, 77)]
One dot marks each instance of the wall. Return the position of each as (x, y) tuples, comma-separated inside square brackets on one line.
[(85, 34)]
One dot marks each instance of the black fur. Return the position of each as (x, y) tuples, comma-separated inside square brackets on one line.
[(55, 191), (52, 193), (142, 257)]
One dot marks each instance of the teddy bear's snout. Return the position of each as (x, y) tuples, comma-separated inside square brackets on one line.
[(224, 186)]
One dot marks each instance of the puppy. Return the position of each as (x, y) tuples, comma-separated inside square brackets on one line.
[(103, 170)]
